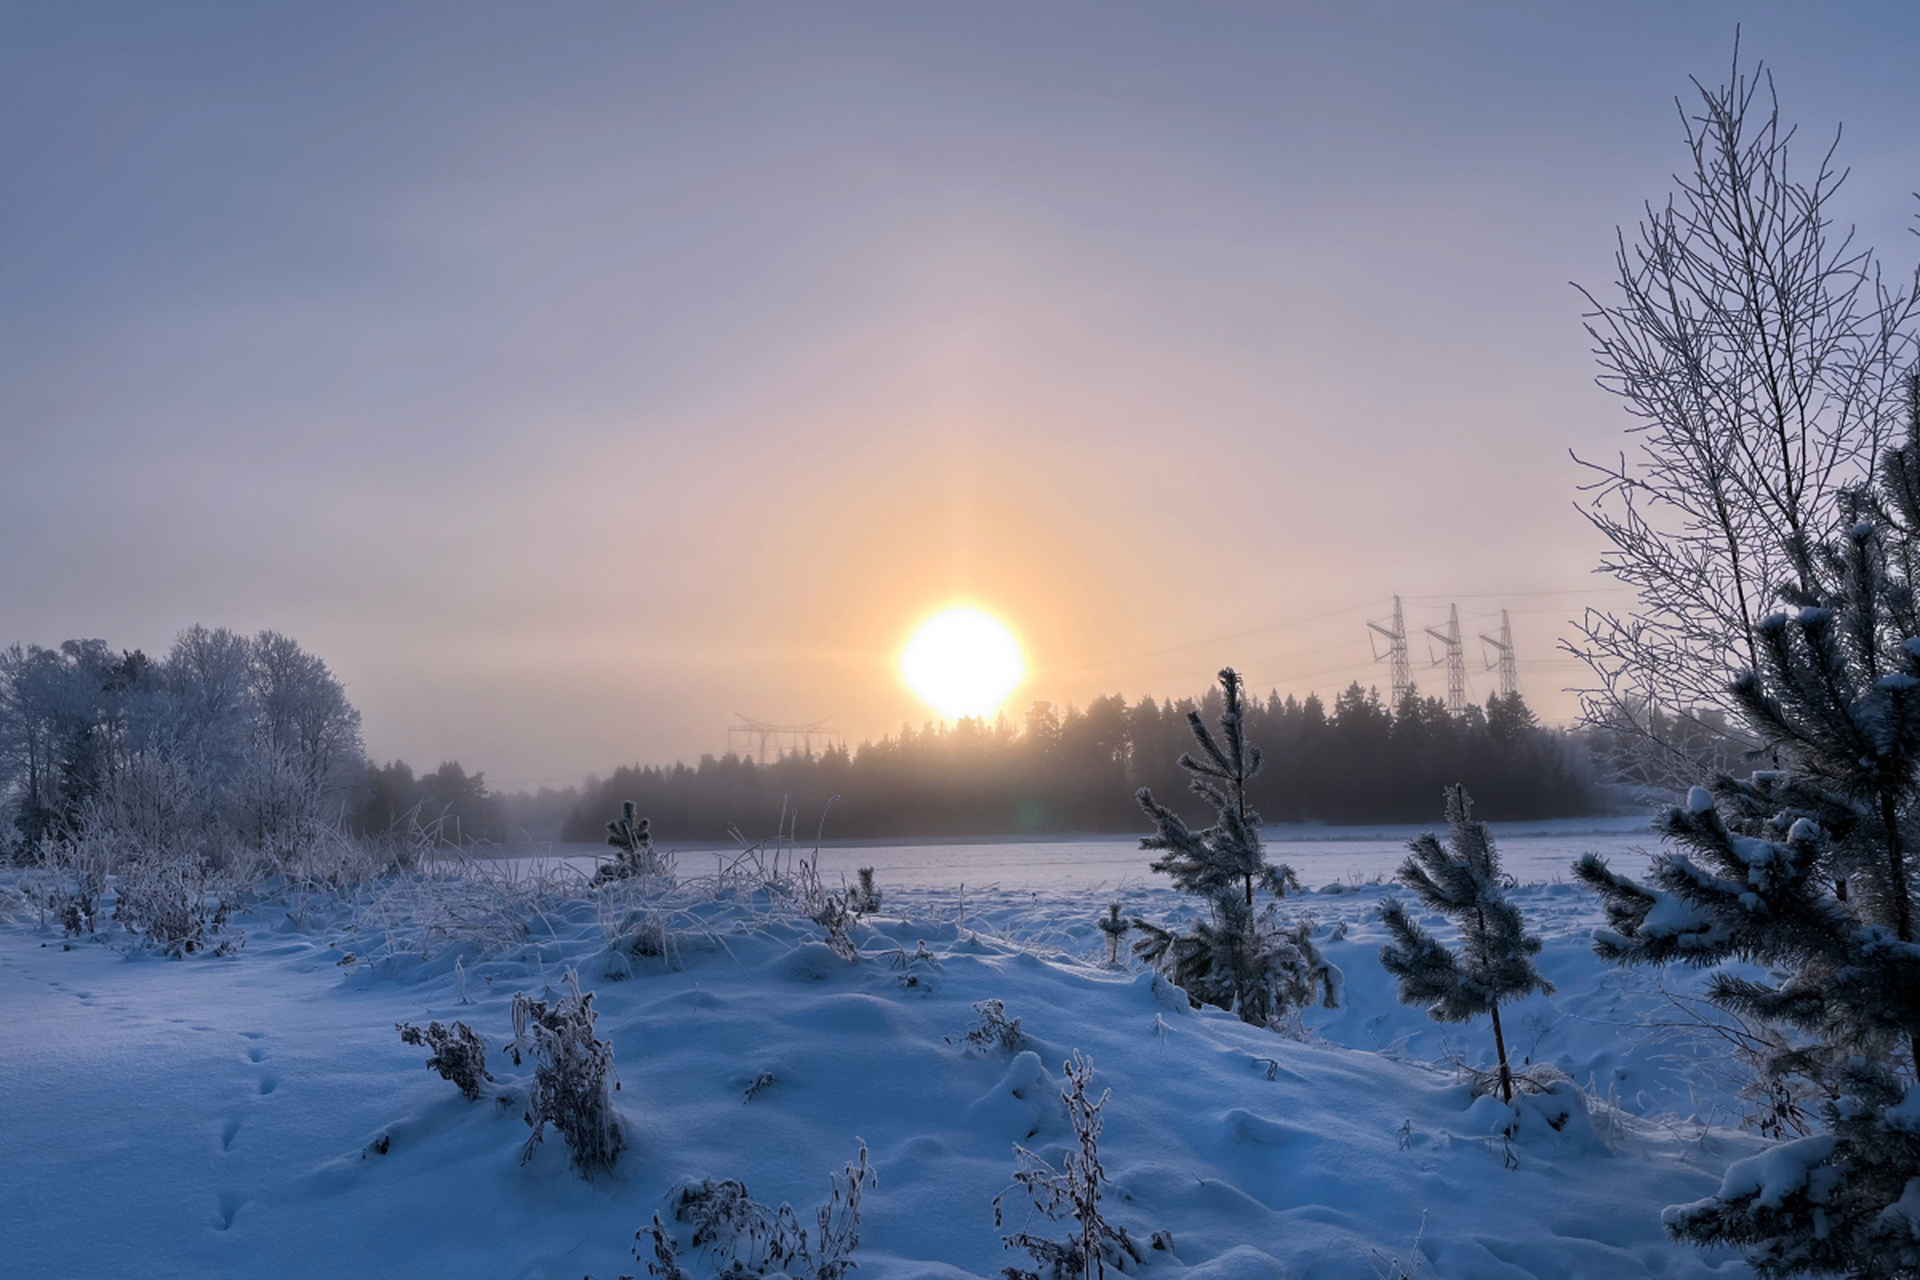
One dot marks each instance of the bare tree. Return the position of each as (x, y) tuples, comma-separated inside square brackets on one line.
[(1760, 352)]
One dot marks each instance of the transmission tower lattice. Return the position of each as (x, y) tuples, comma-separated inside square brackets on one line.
[(1396, 655), (784, 738), (1509, 666), (1456, 661)]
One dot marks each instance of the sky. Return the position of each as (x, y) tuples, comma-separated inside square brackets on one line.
[(575, 377)]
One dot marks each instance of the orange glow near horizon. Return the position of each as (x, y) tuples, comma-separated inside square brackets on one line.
[(963, 661)]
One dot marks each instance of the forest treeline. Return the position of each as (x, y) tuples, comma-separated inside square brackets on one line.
[(1077, 771), (225, 742), (231, 741)]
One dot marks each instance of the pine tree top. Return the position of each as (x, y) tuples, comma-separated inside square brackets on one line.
[(1494, 959), (1227, 857)]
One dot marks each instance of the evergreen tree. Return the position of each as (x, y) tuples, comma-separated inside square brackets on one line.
[(1239, 959), (1495, 959), (1807, 871), (1228, 854)]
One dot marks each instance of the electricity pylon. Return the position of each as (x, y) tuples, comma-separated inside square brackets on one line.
[(1396, 654), (1509, 666), (784, 737), (1456, 661)]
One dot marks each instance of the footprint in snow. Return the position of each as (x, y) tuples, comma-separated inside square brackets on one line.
[(230, 1204), (229, 1130)]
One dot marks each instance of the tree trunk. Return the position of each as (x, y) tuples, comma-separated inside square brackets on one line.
[(1500, 1045), (1901, 894)]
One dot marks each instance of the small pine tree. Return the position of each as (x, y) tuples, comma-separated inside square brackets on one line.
[(1806, 871), (1228, 854), (865, 895), (632, 839), (1495, 959), (1240, 959), (1115, 928)]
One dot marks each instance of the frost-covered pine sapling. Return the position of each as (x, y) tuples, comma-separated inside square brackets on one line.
[(459, 1055), (1227, 855), (1115, 928), (632, 839), (1240, 959), (1495, 959), (1245, 962), (1807, 873), (573, 1076), (1071, 1193), (865, 898)]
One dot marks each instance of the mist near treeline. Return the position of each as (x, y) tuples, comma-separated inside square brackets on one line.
[(1077, 771), (255, 739)]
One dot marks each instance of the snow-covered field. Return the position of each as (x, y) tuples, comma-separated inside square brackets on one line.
[(258, 1116), (1531, 852)]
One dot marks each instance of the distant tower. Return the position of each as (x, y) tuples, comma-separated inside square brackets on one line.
[(1396, 655), (1509, 666), (1456, 661), (784, 738)]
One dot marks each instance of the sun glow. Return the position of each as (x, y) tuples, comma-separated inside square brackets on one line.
[(963, 662)]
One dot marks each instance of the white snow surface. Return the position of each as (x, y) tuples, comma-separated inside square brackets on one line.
[(226, 1117), (1530, 852)]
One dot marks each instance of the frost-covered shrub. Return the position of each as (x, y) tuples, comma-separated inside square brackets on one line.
[(1494, 962), (1241, 959), (573, 1076), (992, 1029), (640, 932), (745, 1238), (1070, 1194), (836, 919), (327, 858), (659, 1241), (459, 1055), (487, 904), (75, 878), (173, 904)]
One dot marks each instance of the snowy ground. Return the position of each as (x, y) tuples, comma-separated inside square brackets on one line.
[(258, 1116), (1532, 852)]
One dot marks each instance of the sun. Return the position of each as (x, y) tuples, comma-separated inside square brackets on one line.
[(963, 662)]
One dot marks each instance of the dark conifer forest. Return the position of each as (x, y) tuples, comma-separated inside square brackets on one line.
[(1077, 771)]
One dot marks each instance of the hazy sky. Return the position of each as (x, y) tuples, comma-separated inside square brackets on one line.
[(573, 376)]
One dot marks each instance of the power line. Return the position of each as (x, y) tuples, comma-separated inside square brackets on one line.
[(1195, 644), (1335, 613), (1519, 595)]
